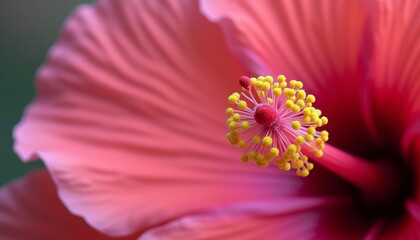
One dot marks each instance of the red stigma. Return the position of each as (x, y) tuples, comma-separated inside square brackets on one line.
[(245, 82), (265, 115)]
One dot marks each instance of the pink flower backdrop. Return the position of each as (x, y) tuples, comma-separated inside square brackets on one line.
[(129, 121)]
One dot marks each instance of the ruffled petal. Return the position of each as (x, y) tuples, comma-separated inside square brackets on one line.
[(394, 86), (321, 43), (30, 209), (129, 119), (294, 218)]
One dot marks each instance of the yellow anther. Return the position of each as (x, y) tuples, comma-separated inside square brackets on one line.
[(311, 149), (300, 139), (295, 108), (253, 81), (235, 134), (277, 91), (304, 158), (300, 103), (268, 157), (309, 138), (232, 139), (245, 125), (252, 155), (293, 98), (233, 99), (283, 84), (318, 112), (259, 84), (229, 112), (306, 119), (311, 130), (259, 157), (301, 94), (324, 120), (291, 148), (285, 166), (281, 78), (267, 141), (229, 120), (299, 163), (314, 118), (319, 141), (319, 122), (270, 100), (236, 94), (244, 158), (298, 85), (279, 161), (292, 83), (261, 94), (314, 115), (268, 79), (233, 125), (289, 104), (295, 156), (289, 92), (321, 146), (262, 163), (266, 86), (309, 166), (256, 139), (319, 153), (261, 78), (276, 85), (310, 98), (302, 172), (242, 144), (295, 125), (324, 136), (274, 152), (242, 105), (306, 111), (236, 117)]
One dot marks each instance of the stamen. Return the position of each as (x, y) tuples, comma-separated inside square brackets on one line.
[(377, 181), (274, 121)]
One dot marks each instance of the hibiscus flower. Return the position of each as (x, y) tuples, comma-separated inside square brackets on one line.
[(129, 119)]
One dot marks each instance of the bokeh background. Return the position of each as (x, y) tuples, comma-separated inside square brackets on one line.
[(27, 30)]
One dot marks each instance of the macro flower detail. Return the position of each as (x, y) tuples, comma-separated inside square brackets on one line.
[(126, 129), (276, 121)]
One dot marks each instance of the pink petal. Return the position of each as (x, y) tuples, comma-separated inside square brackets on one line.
[(403, 228), (393, 92), (129, 119), (294, 218), (319, 42), (30, 209)]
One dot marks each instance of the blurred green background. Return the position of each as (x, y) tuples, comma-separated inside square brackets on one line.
[(27, 30)]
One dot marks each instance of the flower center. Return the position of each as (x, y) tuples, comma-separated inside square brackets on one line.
[(265, 115), (255, 128)]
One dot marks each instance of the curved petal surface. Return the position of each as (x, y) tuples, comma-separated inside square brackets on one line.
[(288, 218), (321, 43), (129, 119), (405, 227), (394, 102), (31, 209)]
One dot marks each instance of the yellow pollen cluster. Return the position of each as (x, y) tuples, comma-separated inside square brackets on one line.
[(275, 121)]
